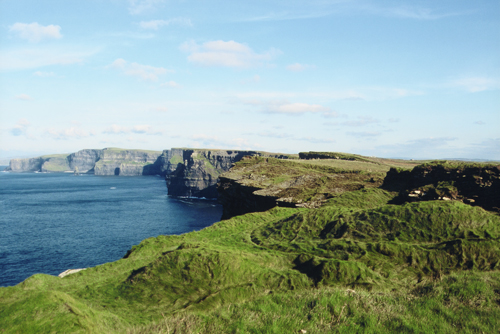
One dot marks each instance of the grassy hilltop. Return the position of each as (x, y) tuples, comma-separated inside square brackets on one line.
[(353, 256)]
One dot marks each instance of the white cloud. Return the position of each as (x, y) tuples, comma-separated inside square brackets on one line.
[(137, 129), (141, 6), (477, 84), (69, 133), (361, 121), (44, 74), (20, 128), (143, 72), (299, 67), (170, 84), (208, 141), (27, 58), (254, 79), (284, 107), (35, 32), (226, 54), (24, 97), (157, 24), (418, 13), (297, 108), (365, 134)]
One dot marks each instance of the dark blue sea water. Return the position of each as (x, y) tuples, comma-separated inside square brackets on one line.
[(53, 222)]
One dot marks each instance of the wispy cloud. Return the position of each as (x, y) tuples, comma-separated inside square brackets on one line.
[(409, 12), (288, 108), (419, 148), (20, 128), (477, 84), (137, 129), (143, 72), (226, 54), (157, 24), (360, 121), (170, 83), (318, 9), (44, 74), (364, 134), (24, 97), (299, 67), (28, 58), (34, 32), (144, 6), (69, 133), (210, 141)]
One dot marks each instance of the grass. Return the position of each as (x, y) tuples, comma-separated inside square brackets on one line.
[(357, 264), (56, 163)]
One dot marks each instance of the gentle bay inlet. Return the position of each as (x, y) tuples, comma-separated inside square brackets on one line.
[(51, 222)]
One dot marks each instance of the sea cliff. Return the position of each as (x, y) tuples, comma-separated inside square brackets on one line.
[(107, 161), (195, 172)]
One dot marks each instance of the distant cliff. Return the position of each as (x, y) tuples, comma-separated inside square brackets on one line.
[(194, 172), (108, 161)]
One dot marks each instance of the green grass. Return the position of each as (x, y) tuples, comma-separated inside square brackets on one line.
[(56, 163), (176, 159)]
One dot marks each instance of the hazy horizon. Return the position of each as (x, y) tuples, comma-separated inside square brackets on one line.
[(419, 80)]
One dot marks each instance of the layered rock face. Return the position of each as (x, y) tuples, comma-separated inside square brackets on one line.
[(471, 183), (128, 163), (84, 160), (25, 165), (108, 161), (194, 172)]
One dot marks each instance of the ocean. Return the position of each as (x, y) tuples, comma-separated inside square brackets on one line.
[(50, 222)]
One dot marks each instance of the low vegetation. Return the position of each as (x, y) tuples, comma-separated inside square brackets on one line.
[(357, 264)]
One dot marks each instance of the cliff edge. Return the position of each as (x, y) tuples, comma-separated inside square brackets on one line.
[(195, 172)]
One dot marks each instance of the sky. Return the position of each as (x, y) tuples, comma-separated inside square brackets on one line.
[(395, 79)]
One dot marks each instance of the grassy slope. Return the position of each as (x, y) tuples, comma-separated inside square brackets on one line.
[(355, 265)]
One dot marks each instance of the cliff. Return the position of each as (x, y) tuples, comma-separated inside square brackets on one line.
[(108, 161), (127, 162), (476, 184), (25, 165), (257, 184), (194, 172)]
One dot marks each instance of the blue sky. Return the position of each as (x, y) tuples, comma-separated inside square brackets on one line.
[(415, 79)]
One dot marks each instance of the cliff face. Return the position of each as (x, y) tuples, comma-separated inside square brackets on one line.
[(108, 161), (194, 173), (25, 165), (84, 160), (127, 162), (257, 184)]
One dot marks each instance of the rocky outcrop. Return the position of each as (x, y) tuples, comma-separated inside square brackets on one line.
[(238, 198), (257, 184), (472, 183), (194, 172)]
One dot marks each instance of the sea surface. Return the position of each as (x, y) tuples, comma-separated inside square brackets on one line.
[(50, 222)]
